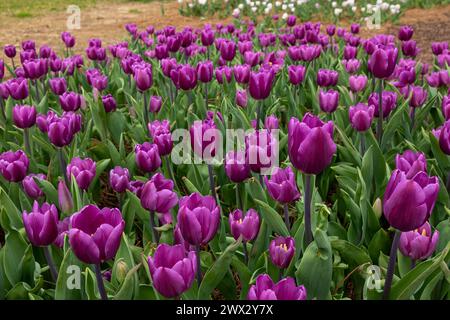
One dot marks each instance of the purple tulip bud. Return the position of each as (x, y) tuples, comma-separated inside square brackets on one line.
[(281, 251), (282, 186), (327, 78), (271, 122), (24, 116), (18, 88), (285, 289), (357, 83), (30, 187), (291, 20), (136, 187), (95, 233), (14, 165), (58, 85), (438, 47), (41, 224), (187, 77), (10, 50), (4, 93), (119, 179), (418, 96), (260, 148), (236, 166), (172, 269), (241, 98), (207, 37), (361, 116), (83, 170), (68, 39), (408, 203), (155, 104), (174, 43), (227, 50), (405, 33), (328, 100), (409, 48), (64, 197), (304, 139), (261, 83), (354, 28), (147, 157), (419, 244), (411, 163), (350, 52), (205, 71), (143, 76), (296, 74), (157, 194), (70, 101), (382, 62), (63, 230), (389, 102), (246, 226), (198, 218), (55, 64)]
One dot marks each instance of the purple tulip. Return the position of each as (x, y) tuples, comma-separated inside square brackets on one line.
[(446, 106), (58, 85), (241, 98), (71, 101), (246, 226), (160, 132), (408, 203), (14, 165), (155, 104), (64, 197), (10, 50), (327, 78), (354, 28), (198, 218), (437, 79), (147, 157), (41, 224), (30, 187), (236, 166), (285, 289), (439, 47), (291, 20), (95, 233), (418, 96), (419, 244), (204, 138), (411, 163), (157, 194), (409, 48), (282, 186), (251, 58), (227, 50), (207, 37), (260, 148), (328, 100), (205, 71), (281, 251), (310, 144), (382, 62), (331, 30), (350, 52), (4, 93), (109, 103), (60, 130), (224, 74), (34, 69), (18, 88), (405, 33), (261, 83), (187, 77), (242, 73), (389, 102), (361, 116), (119, 179), (357, 83), (351, 65), (24, 116), (143, 76), (172, 269), (83, 170), (63, 230), (296, 74)]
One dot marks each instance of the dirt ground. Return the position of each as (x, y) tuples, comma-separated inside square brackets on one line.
[(106, 21)]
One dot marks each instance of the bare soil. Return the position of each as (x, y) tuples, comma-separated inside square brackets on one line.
[(106, 21)]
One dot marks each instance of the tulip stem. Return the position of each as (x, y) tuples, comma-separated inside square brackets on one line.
[(199, 267), (280, 274), (26, 140), (413, 263), (100, 284), (153, 226), (146, 117), (412, 116), (2, 106), (308, 193), (211, 183), (62, 165), (448, 182), (391, 265), (51, 263), (244, 245), (363, 144), (380, 112), (259, 107), (38, 98), (286, 216), (239, 205), (169, 168), (206, 96)]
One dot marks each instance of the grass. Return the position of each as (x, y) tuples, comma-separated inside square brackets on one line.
[(23, 8)]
